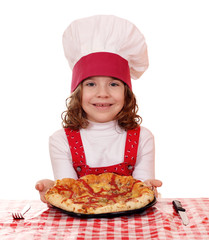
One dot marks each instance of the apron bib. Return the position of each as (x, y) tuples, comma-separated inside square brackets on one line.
[(125, 168)]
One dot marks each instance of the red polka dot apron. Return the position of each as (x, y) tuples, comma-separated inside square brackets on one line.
[(125, 168)]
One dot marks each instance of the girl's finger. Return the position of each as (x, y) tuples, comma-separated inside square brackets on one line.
[(156, 183), (39, 187)]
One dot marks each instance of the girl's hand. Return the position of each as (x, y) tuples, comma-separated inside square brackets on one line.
[(153, 184), (42, 186)]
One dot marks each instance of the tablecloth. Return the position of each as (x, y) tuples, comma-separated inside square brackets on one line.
[(157, 222)]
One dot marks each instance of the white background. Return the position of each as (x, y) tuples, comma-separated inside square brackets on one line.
[(172, 95)]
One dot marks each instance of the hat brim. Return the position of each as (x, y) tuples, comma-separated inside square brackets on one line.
[(101, 64)]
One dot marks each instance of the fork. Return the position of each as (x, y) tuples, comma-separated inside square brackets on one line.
[(19, 215)]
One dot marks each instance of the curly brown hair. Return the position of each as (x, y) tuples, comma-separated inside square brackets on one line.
[(75, 117)]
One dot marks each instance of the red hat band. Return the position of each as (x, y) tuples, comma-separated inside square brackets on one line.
[(101, 64)]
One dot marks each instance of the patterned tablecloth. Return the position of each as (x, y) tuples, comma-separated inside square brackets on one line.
[(157, 222)]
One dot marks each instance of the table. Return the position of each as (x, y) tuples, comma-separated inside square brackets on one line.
[(157, 222)]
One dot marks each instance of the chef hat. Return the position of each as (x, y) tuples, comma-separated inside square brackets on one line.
[(104, 45)]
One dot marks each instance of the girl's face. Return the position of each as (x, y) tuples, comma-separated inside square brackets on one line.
[(102, 98)]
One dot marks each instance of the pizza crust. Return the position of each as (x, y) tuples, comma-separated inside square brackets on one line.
[(96, 194)]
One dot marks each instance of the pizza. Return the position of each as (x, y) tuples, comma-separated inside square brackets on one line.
[(97, 194)]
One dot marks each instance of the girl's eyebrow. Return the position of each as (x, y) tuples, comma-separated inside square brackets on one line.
[(88, 79)]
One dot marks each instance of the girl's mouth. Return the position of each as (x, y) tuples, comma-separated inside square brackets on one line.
[(102, 104)]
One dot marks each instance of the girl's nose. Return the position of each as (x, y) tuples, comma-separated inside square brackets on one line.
[(103, 92)]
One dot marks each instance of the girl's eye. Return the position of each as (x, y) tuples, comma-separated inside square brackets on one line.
[(90, 84), (114, 84)]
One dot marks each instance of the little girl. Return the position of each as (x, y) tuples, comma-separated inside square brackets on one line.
[(101, 129)]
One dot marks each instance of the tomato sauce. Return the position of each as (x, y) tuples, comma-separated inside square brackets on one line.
[(99, 199), (104, 196)]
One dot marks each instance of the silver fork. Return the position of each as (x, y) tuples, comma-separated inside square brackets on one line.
[(19, 215)]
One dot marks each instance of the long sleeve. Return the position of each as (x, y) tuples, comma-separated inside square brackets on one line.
[(60, 156), (145, 163)]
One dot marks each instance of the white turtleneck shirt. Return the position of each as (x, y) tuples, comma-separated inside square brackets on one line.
[(104, 145)]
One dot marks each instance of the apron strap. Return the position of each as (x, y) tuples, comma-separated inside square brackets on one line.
[(131, 148), (76, 147)]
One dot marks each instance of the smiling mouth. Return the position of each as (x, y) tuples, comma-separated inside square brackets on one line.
[(102, 104)]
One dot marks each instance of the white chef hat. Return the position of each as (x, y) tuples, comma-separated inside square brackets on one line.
[(104, 45)]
